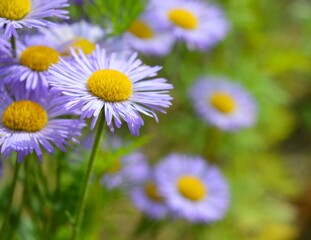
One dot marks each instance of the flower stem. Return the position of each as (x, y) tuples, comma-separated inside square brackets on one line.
[(86, 182), (10, 203), (13, 45)]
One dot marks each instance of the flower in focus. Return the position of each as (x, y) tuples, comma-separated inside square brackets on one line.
[(81, 35), (34, 57), (126, 171), (16, 14), (122, 88), (192, 189), (144, 35), (148, 199), (29, 123), (201, 26), (223, 104)]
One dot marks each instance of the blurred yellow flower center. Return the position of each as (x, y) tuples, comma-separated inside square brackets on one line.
[(223, 102), (141, 30), (14, 9), (25, 116), (115, 166), (152, 192), (39, 58), (191, 188), (110, 85), (183, 18), (85, 45)]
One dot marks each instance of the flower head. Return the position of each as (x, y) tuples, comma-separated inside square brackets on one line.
[(29, 123), (35, 54), (121, 87), (17, 14), (146, 197), (223, 104), (201, 26), (81, 35), (192, 189), (146, 36)]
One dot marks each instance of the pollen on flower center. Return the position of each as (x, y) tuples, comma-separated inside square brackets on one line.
[(84, 44), (110, 85), (152, 192), (141, 30), (39, 58), (25, 116), (14, 9), (223, 102), (191, 188), (183, 18)]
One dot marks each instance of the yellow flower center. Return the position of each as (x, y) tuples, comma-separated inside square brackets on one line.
[(25, 116), (115, 166), (141, 30), (39, 58), (110, 85), (183, 18), (152, 192), (191, 188), (85, 45), (223, 102), (14, 9)]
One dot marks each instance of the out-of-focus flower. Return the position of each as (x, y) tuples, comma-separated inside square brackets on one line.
[(145, 36), (122, 88), (81, 35), (201, 26), (223, 104), (126, 171), (192, 189), (34, 57), (147, 198), (5, 48), (30, 123), (17, 14)]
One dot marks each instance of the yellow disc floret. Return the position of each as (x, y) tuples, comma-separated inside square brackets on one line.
[(25, 116), (14, 9), (110, 85), (223, 102), (39, 58), (183, 18), (191, 188), (85, 45), (151, 191), (141, 30)]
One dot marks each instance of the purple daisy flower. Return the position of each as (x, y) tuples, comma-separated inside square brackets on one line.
[(223, 104), (5, 47), (192, 189), (126, 171), (146, 197), (34, 57), (200, 25), (147, 37), (120, 86), (29, 123), (16, 14)]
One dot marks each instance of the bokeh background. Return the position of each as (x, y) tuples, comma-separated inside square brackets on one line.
[(268, 166)]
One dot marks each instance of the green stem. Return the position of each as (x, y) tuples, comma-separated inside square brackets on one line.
[(10, 203), (86, 182), (13, 45)]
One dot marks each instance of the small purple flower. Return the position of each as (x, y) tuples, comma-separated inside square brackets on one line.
[(147, 37), (5, 47), (223, 104), (29, 123), (120, 86), (35, 54), (17, 14), (193, 190), (146, 197), (198, 24)]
